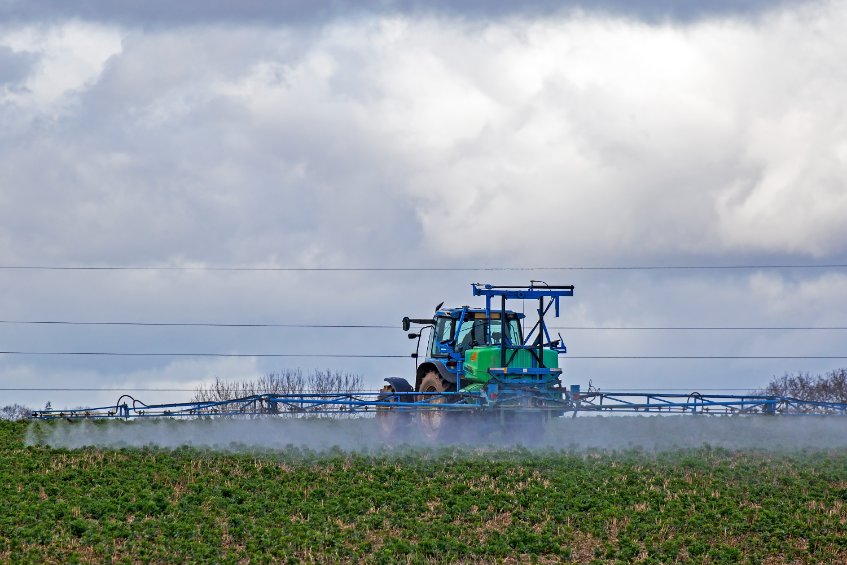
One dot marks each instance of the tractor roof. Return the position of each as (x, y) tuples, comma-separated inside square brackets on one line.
[(476, 313)]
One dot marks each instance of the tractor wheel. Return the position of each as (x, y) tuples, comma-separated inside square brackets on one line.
[(433, 421), (392, 421)]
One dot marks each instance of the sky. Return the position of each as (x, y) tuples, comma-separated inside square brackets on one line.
[(400, 134)]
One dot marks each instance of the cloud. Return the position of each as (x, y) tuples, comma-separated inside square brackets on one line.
[(578, 138), (637, 139), (158, 13), (218, 142), (14, 66)]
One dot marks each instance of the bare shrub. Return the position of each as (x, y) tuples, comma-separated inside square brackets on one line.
[(283, 382), (329, 381), (15, 412), (831, 387), (287, 381)]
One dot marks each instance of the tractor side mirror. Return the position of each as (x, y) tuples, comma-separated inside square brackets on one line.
[(407, 323)]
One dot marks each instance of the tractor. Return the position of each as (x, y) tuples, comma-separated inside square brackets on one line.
[(480, 356)]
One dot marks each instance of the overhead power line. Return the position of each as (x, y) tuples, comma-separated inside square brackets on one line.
[(83, 389), (375, 356), (425, 269), (699, 328), (129, 389), (394, 327), (706, 357), (196, 324), (177, 354)]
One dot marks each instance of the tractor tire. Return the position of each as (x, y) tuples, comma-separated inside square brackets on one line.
[(392, 422), (433, 422)]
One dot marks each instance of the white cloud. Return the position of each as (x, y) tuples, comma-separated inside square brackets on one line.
[(70, 56), (422, 140), (614, 138), (675, 140)]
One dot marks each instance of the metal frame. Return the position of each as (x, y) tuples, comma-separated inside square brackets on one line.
[(264, 404), (696, 403), (520, 395)]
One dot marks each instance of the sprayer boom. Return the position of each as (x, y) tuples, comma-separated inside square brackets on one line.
[(477, 361)]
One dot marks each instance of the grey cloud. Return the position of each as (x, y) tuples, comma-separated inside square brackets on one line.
[(164, 13), (237, 146), (155, 158), (14, 66), (419, 145)]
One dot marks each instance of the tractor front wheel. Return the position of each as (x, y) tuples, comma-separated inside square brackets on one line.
[(432, 419)]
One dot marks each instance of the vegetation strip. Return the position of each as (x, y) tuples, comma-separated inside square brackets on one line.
[(129, 505)]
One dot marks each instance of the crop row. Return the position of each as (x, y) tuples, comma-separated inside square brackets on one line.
[(422, 505)]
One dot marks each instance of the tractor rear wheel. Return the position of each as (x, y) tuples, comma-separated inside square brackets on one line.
[(433, 420)]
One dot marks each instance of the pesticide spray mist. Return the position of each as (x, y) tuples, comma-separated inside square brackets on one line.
[(648, 433)]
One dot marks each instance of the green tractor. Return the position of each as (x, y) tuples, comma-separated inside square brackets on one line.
[(480, 358)]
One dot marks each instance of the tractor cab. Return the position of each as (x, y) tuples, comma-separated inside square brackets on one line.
[(460, 329), (468, 346)]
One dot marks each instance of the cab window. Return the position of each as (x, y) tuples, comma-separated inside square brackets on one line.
[(474, 333), (443, 332)]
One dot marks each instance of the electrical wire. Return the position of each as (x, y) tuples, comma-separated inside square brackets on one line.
[(700, 328), (86, 389), (177, 354), (424, 269), (197, 324), (67, 389), (375, 356), (394, 327), (683, 357)]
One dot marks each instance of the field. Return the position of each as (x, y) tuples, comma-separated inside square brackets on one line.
[(149, 504)]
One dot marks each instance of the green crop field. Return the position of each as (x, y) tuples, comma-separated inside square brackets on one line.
[(141, 505)]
